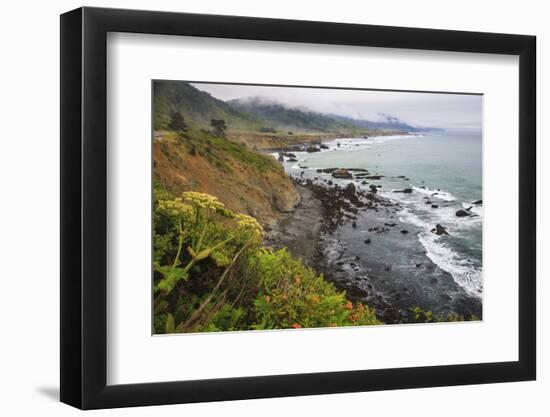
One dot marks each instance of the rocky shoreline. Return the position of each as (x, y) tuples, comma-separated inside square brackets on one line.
[(324, 230)]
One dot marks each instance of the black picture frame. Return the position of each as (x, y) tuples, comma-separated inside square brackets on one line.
[(84, 207)]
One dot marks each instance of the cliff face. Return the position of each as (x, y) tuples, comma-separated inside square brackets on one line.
[(244, 180)]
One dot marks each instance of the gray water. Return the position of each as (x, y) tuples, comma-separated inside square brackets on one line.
[(444, 169)]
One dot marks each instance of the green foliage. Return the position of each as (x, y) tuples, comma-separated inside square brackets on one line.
[(419, 315), (219, 127), (177, 122), (197, 107), (218, 150), (292, 295), (212, 274)]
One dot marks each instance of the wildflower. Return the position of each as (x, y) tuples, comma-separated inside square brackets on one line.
[(349, 305), (250, 223), (203, 200), (176, 207), (296, 326)]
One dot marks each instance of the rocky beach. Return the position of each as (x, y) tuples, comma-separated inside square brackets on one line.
[(349, 226)]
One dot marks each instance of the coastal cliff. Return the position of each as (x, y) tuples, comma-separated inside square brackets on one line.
[(244, 180)]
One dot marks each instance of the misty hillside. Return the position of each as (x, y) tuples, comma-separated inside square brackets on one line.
[(197, 107), (290, 118), (254, 114), (389, 123)]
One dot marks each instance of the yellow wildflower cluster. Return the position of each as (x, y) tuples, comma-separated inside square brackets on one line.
[(176, 207), (207, 201), (247, 222)]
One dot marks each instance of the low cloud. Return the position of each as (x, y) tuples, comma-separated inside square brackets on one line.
[(449, 111)]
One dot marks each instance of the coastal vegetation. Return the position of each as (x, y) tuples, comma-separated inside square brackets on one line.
[(237, 239), (212, 273)]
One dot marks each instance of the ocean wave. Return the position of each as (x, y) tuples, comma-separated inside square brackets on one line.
[(467, 275), (435, 194), (476, 209), (464, 271)]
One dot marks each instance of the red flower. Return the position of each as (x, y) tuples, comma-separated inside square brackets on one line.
[(349, 305), (296, 326)]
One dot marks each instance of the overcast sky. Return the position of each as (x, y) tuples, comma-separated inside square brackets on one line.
[(449, 111)]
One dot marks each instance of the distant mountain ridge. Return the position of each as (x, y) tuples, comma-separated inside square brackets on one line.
[(390, 123), (288, 117), (306, 119), (197, 107), (254, 113)]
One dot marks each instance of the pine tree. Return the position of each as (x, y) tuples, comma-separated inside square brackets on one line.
[(177, 122), (219, 127)]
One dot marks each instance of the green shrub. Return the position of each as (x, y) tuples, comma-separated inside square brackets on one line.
[(292, 295), (419, 315), (212, 274)]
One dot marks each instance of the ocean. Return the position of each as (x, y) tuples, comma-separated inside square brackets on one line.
[(444, 171)]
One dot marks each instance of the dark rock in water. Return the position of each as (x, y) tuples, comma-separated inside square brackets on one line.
[(387, 268), (418, 265), (367, 241), (469, 208), (351, 188), (281, 158), (311, 149), (364, 182), (404, 231), (338, 144), (358, 170), (435, 206), (374, 177), (463, 213), (439, 230), (292, 160), (405, 190), (342, 173), (434, 194), (303, 167), (354, 224), (428, 202), (378, 186), (323, 146), (389, 224), (373, 188), (330, 182), (478, 202), (401, 176)]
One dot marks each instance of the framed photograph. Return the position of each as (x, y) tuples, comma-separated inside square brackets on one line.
[(257, 208)]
